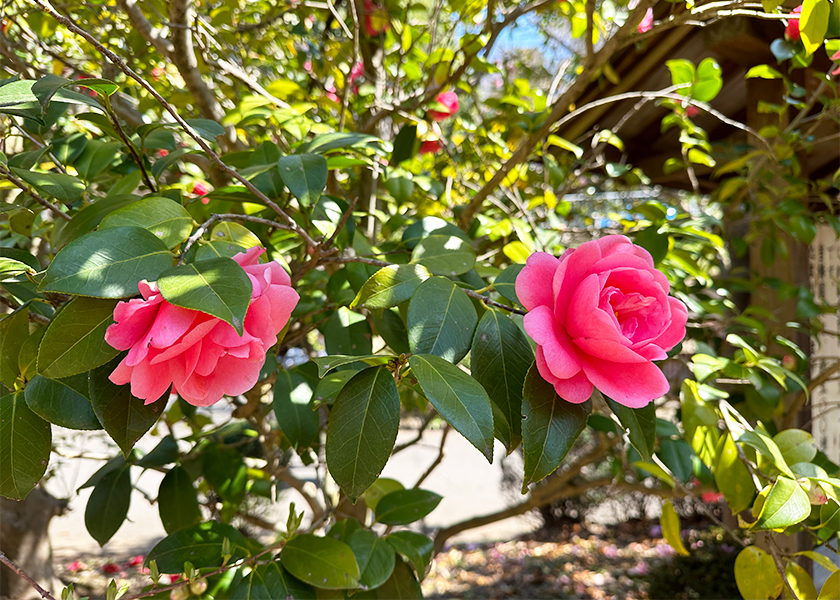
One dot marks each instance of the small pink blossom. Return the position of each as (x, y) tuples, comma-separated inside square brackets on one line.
[(600, 315), (430, 147), (356, 72), (711, 497), (448, 102), (647, 22), (307, 66), (331, 93), (198, 356), (77, 565), (377, 19), (136, 560), (110, 568), (199, 188), (792, 29), (691, 111)]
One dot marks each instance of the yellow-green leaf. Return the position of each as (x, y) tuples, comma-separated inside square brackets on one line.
[(670, 522)]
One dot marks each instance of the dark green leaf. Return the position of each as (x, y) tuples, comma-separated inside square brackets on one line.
[(678, 456), (25, 445), (441, 320), (444, 255), (403, 507), (218, 287), (124, 417), (177, 500), (63, 402), (272, 582), (328, 363), (550, 427), (75, 340), (293, 393), (206, 128), (347, 333), (118, 462), (363, 427), (60, 186), (501, 357), (108, 504), (305, 175), (321, 561), (404, 144), (108, 263), (88, 218), (416, 547), (402, 585), (390, 286), (164, 163), (430, 226), (640, 424), (375, 557), (165, 218), (391, 328), (331, 384), (505, 282), (200, 545), (14, 329), (458, 398), (164, 453), (225, 470), (96, 157)]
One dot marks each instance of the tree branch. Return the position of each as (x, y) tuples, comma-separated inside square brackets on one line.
[(40, 200), (144, 27), (21, 573)]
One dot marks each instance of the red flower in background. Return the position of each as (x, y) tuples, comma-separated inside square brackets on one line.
[(449, 103), (430, 147), (792, 30), (376, 19), (199, 188), (647, 22)]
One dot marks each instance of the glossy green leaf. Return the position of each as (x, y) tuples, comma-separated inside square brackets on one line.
[(796, 446), (416, 547), (200, 545), (166, 452), (217, 287), (756, 575), (124, 417), (441, 320), (88, 218), (206, 128), (339, 139), (269, 582), (28, 357), (331, 384), (640, 425), (96, 157), (293, 393), (165, 218), (458, 398), (321, 561), (431, 226), (390, 286), (75, 340), (14, 329), (800, 581), (234, 233), (108, 505), (62, 187), (785, 505), (501, 357), (389, 325), (505, 282), (375, 557), (830, 515), (444, 255), (63, 402), (108, 263), (214, 249), (403, 507), (328, 363), (404, 143), (550, 427), (305, 175), (831, 588), (732, 476), (767, 448), (363, 427), (11, 268), (679, 457), (401, 585), (709, 80), (178, 501), (25, 445), (380, 488), (226, 472), (813, 23)]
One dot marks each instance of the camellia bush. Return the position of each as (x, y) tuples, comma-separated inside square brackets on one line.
[(321, 217)]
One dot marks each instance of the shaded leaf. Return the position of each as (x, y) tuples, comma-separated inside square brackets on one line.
[(25, 445), (63, 402), (441, 320), (321, 561), (403, 507)]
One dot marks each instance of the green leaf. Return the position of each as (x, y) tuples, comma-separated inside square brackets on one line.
[(75, 340), (430, 226), (458, 398), (800, 581), (200, 545), (323, 562), (830, 515), (679, 457), (380, 488), (95, 158), (732, 476), (270, 581), (293, 393), (333, 141), (767, 448), (444, 255), (813, 24), (756, 575), (164, 453), (640, 424), (441, 320), (124, 417), (550, 427), (363, 427), (416, 547), (11, 268), (670, 522), (709, 80), (214, 249), (88, 218), (390, 326), (330, 385), (402, 585), (500, 359), (347, 333), (404, 507), (60, 186), (786, 504), (796, 446), (226, 472), (831, 588), (108, 263), (404, 144), (505, 282), (328, 363), (106, 87), (108, 504), (390, 286), (27, 359), (63, 402), (14, 329), (305, 175), (234, 233), (165, 218), (375, 557), (25, 445), (682, 73), (206, 128), (177, 500), (217, 287)]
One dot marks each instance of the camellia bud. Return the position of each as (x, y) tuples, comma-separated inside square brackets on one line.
[(180, 593), (792, 30), (198, 587)]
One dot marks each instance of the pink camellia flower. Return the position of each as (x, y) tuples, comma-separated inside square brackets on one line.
[(110, 568), (199, 188), (376, 18), (76, 565), (199, 356), (647, 22), (430, 147), (135, 560), (450, 101), (792, 30), (836, 56), (356, 72), (599, 315)]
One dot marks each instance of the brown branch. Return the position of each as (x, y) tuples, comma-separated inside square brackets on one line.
[(40, 200), (115, 121), (142, 25), (202, 229), (437, 460), (21, 573)]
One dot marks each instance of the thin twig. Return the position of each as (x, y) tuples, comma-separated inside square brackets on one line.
[(115, 121), (21, 573), (341, 223), (42, 201), (202, 229), (437, 460)]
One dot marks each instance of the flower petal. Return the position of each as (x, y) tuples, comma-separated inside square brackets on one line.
[(577, 389), (558, 351), (585, 319), (533, 284), (630, 384), (675, 332)]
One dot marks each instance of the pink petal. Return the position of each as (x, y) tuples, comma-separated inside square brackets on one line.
[(282, 301), (675, 333), (171, 323), (585, 319), (630, 384), (533, 284), (651, 352), (249, 257), (611, 244), (132, 321), (577, 389), (557, 348), (608, 350), (122, 374), (571, 273), (149, 382), (197, 333)]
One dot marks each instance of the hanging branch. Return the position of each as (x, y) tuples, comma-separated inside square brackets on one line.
[(21, 573)]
